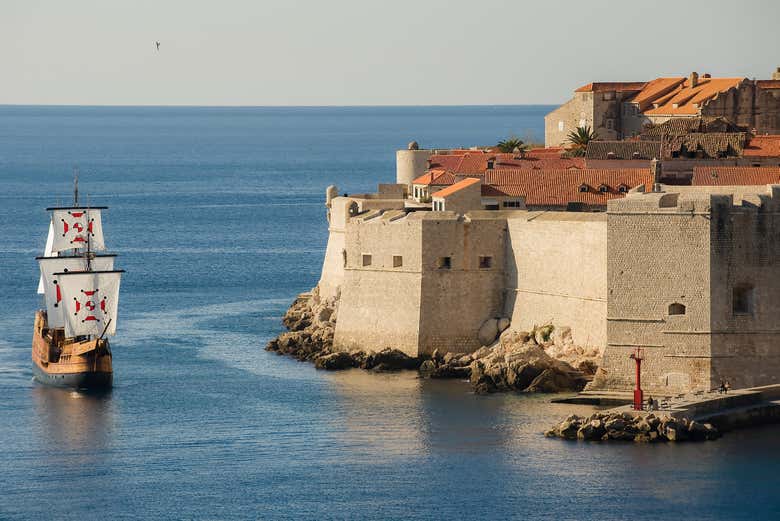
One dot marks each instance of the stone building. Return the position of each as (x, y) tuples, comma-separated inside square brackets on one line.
[(619, 110)]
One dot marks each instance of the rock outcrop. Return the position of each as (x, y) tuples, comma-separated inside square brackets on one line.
[(311, 322), (542, 360), (517, 362), (603, 426)]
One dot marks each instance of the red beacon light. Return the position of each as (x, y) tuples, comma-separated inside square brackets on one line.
[(638, 356)]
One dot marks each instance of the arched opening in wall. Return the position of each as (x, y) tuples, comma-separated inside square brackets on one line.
[(676, 309)]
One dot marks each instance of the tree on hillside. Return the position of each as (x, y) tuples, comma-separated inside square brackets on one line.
[(579, 139), (507, 146)]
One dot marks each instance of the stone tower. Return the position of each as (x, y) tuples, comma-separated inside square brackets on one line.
[(411, 163)]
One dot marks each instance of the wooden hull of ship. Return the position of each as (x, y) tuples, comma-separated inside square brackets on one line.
[(69, 362)]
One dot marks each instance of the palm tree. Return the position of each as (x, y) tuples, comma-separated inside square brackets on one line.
[(579, 139), (509, 145)]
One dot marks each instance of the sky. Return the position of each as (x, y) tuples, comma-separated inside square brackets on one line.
[(367, 52)]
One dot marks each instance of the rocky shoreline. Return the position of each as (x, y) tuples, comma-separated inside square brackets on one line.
[(615, 426), (542, 360)]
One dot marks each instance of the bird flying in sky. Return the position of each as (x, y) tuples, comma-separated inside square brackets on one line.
[(158, 45)]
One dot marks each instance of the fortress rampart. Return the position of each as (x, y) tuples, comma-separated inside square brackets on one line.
[(687, 275), (692, 280)]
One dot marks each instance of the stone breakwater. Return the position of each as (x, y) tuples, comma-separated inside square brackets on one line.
[(542, 360), (605, 426)]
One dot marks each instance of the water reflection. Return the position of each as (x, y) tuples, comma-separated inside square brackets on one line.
[(73, 420), (379, 415)]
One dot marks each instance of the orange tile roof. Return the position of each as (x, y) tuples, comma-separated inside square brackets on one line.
[(684, 99), (435, 177), (618, 86), (541, 153), (473, 164), (763, 146), (460, 185), (560, 187), (447, 161), (768, 84), (735, 176), (654, 89), (537, 162), (476, 162)]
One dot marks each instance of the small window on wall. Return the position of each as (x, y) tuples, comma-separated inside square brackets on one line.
[(676, 309), (344, 257), (398, 261), (444, 263), (485, 263), (742, 300), (560, 126), (366, 259)]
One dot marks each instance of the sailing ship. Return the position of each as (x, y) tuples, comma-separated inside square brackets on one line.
[(70, 345)]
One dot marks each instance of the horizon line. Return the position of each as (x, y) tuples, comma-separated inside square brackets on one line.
[(108, 105)]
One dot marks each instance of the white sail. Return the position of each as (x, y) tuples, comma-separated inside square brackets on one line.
[(46, 253), (53, 294), (90, 302), (73, 227)]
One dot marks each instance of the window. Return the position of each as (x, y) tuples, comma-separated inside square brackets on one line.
[(756, 164), (676, 309), (444, 263), (583, 188), (398, 261), (490, 164), (623, 189), (560, 126), (344, 257), (742, 300), (603, 189), (485, 263), (366, 259), (512, 204)]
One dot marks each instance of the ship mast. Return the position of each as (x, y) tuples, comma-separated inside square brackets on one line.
[(76, 187)]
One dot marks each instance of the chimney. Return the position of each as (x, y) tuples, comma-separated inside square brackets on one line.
[(693, 79), (656, 170), (776, 74)]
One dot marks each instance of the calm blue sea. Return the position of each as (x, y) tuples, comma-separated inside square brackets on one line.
[(217, 214)]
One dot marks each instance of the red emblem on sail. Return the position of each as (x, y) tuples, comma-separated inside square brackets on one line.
[(88, 304), (77, 227)]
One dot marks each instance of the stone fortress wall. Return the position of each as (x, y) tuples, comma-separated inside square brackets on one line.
[(688, 274), (557, 273), (692, 280), (428, 280)]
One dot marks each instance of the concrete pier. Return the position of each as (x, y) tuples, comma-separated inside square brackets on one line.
[(737, 408)]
